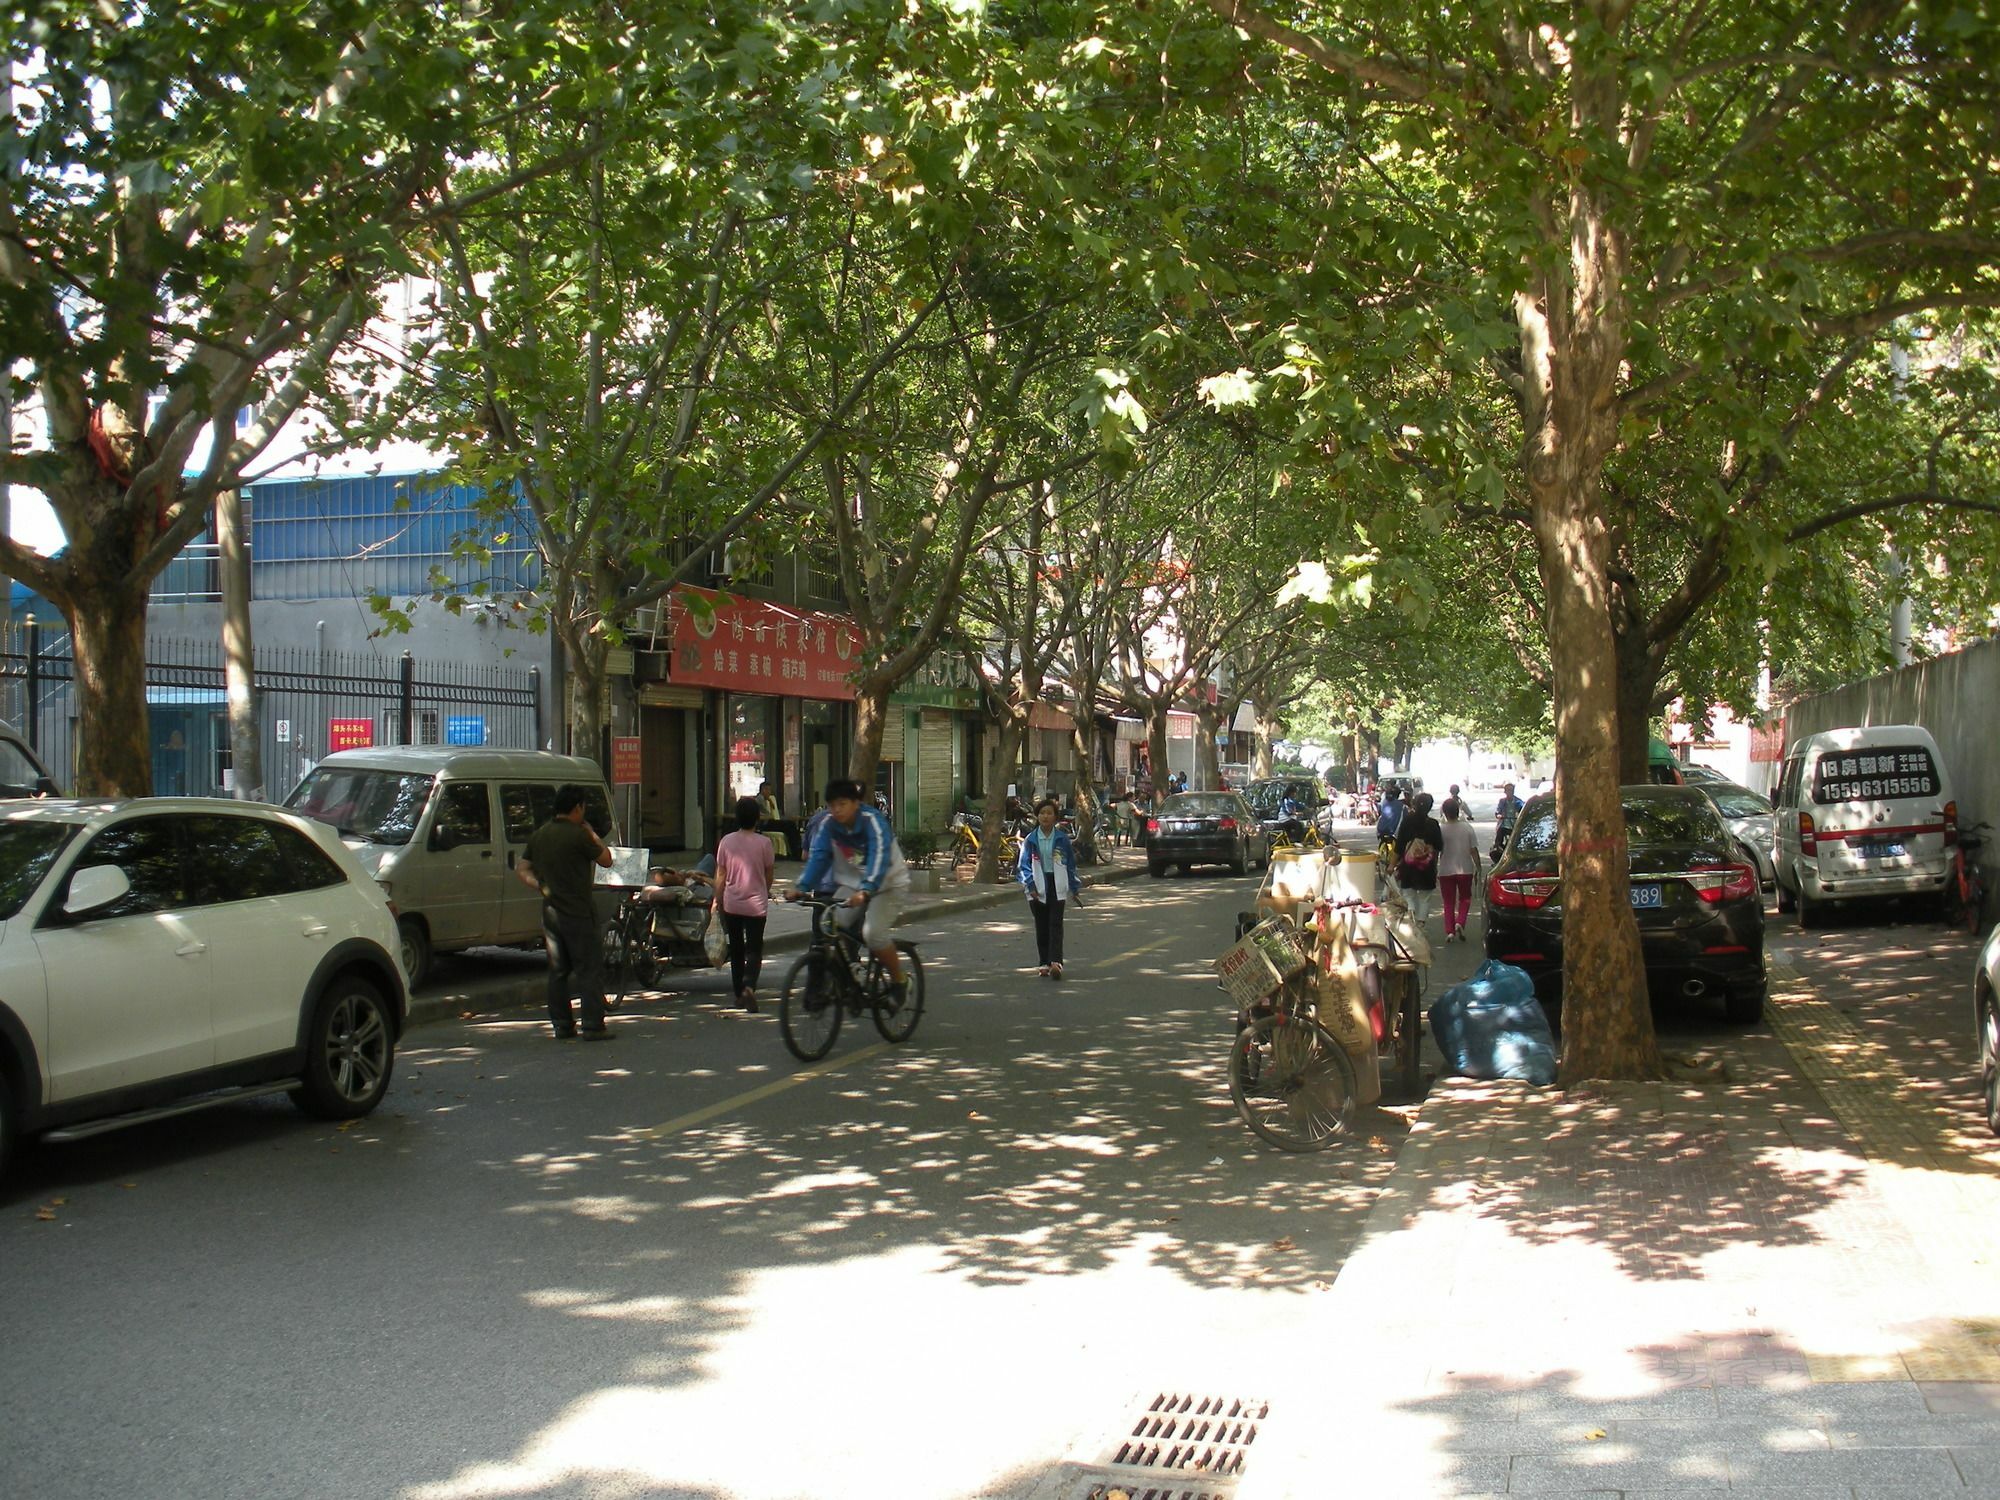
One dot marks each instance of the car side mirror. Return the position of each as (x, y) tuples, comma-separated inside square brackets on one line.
[(444, 840), (45, 787), (94, 888)]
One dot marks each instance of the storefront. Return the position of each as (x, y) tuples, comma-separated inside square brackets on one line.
[(775, 706), (933, 721)]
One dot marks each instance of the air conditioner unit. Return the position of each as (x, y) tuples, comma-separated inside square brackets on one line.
[(648, 620)]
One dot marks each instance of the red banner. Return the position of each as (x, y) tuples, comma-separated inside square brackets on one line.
[(625, 760), (750, 646), (350, 734)]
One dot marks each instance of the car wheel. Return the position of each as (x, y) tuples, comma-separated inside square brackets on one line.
[(1786, 900), (1989, 1062), (1156, 868), (416, 950), (7, 1126), (1241, 864), (1744, 1004), (1812, 911), (350, 1051)]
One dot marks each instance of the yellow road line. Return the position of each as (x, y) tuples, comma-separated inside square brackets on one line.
[(735, 1102), (709, 1111)]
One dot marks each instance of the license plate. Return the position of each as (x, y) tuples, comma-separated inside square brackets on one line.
[(1645, 895), (1877, 848), (1182, 827)]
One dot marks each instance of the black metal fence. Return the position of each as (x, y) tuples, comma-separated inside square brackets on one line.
[(309, 702)]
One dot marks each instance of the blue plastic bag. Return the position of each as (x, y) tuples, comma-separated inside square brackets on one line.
[(1491, 1026)]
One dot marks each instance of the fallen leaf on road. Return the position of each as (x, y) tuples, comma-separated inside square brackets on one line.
[(1596, 1434), (45, 1214), (1283, 1244), (973, 1114), (57, 1202), (128, 1184)]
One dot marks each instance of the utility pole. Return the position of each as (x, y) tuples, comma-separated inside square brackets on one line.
[(239, 665)]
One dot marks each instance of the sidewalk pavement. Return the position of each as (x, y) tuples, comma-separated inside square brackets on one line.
[(1773, 1278), (786, 931)]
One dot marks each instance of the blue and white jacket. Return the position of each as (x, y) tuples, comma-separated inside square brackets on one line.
[(1034, 877), (864, 857)]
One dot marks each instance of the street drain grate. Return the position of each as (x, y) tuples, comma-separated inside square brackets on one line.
[(1188, 1434), (1126, 1489)]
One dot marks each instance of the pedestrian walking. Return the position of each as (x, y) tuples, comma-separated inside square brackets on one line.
[(1390, 818), (744, 864), (1458, 867), (1047, 872), (559, 861), (1504, 814), (1418, 840)]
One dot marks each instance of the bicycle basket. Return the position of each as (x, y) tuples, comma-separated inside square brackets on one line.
[(1260, 963)]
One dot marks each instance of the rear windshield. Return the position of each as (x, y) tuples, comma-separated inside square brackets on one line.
[(1648, 824), (1874, 774), (1737, 801), (1198, 805), (381, 806)]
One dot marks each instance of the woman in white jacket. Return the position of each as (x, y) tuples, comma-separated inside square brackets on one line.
[(1047, 872)]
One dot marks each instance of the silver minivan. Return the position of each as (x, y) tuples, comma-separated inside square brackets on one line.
[(441, 829), (1862, 813)]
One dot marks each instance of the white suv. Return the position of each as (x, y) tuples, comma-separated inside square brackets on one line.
[(163, 955)]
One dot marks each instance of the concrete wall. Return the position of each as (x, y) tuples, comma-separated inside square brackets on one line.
[(1955, 697)]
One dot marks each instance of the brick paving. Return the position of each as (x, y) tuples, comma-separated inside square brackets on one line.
[(1779, 1283)]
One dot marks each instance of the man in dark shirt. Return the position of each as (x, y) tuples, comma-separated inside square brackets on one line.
[(559, 862)]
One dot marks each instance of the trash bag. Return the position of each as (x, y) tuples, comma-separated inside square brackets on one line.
[(715, 944), (1491, 1026)]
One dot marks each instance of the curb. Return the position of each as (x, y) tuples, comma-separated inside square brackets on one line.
[(526, 989)]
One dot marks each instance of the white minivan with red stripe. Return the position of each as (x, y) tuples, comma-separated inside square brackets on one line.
[(1862, 814)]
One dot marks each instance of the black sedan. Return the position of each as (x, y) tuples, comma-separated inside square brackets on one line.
[(1205, 828), (1696, 896)]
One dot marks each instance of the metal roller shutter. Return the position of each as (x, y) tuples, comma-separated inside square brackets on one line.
[(892, 732), (934, 770)]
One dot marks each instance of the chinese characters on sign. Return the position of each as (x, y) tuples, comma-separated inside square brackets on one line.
[(749, 646), (350, 734), (465, 729), (625, 760), (1867, 775)]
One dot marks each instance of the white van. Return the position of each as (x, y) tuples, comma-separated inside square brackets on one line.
[(441, 828), (1862, 813)]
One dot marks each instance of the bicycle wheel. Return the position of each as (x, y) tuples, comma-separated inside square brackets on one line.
[(1292, 1084), (617, 961), (809, 1013), (964, 847), (1410, 1037), (900, 1024)]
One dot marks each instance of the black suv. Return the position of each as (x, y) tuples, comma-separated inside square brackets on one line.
[(1695, 893)]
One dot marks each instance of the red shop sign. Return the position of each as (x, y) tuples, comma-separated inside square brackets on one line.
[(350, 734), (625, 761), (749, 646)]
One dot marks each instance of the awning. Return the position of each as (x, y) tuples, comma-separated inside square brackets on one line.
[(186, 697)]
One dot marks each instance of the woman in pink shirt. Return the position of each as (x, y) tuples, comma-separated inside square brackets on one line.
[(743, 867)]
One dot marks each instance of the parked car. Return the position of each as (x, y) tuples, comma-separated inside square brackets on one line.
[(1860, 814), (1205, 828), (441, 829), (167, 954), (1986, 1025), (22, 773), (1750, 818), (1694, 893), (1694, 775)]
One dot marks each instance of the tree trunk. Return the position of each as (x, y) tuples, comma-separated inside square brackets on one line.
[(1006, 765), (239, 660), (1207, 760), (1264, 729), (871, 716), (114, 753), (1156, 749), (1084, 739), (1638, 681), (588, 684)]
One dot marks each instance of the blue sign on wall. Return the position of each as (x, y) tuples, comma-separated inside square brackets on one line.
[(465, 729)]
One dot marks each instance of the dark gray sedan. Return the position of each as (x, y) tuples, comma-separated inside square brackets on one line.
[(1205, 828)]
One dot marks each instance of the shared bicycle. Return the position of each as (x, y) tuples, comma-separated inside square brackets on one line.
[(965, 843), (1965, 884), (835, 977)]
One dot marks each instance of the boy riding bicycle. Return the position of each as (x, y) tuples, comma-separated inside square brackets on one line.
[(858, 848)]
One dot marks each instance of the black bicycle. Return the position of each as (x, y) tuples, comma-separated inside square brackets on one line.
[(837, 976)]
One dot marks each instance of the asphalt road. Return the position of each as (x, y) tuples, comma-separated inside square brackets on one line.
[(679, 1264)]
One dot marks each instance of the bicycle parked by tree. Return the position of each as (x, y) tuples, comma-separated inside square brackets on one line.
[(1965, 884)]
